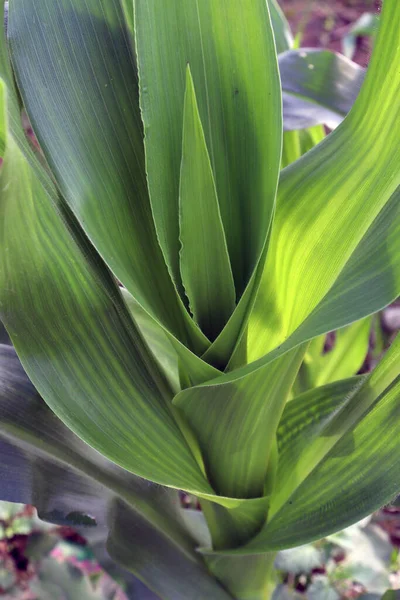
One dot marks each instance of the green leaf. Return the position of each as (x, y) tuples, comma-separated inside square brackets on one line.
[(247, 577), (235, 420), (77, 76), (180, 366), (54, 272), (334, 455), (369, 281), (282, 32), (328, 200), (391, 595), (204, 260), (297, 143), (343, 360), (231, 52), (319, 87), (45, 464)]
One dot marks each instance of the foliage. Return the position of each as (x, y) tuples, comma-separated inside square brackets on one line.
[(167, 288)]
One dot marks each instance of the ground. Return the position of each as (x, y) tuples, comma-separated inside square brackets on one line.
[(326, 22)]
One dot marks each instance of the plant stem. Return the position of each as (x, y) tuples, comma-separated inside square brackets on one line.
[(246, 576)]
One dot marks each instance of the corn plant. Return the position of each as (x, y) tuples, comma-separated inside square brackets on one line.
[(166, 285)]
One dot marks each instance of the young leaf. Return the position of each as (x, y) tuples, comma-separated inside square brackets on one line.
[(337, 456), (231, 51), (204, 260)]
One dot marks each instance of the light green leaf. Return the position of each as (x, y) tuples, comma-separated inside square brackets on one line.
[(235, 420), (369, 281), (231, 52), (204, 260), (328, 200), (343, 360), (78, 80), (334, 456), (297, 143)]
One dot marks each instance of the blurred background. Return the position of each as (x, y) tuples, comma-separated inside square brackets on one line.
[(329, 23)]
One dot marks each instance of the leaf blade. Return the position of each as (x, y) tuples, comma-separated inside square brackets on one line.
[(213, 39), (82, 104), (204, 260), (54, 272)]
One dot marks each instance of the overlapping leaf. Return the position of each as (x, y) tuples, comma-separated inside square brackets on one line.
[(342, 456), (45, 464), (230, 49), (77, 76), (328, 200), (235, 423), (318, 194), (91, 366)]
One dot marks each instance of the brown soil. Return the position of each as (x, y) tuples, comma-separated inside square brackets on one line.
[(325, 22)]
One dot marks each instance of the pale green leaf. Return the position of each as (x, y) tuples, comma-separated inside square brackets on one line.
[(204, 260)]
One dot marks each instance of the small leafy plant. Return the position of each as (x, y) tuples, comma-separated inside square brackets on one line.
[(167, 287)]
